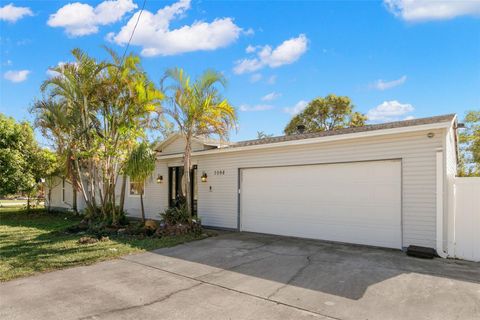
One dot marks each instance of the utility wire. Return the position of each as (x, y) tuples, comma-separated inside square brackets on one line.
[(133, 31)]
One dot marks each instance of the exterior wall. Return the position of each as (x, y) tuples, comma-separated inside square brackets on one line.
[(218, 206), (218, 197), (178, 146), (155, 198), (56, 196)]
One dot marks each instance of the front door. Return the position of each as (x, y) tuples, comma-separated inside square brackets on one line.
[(176, 192)]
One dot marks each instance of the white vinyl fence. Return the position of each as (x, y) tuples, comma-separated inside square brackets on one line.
[(466, 208)]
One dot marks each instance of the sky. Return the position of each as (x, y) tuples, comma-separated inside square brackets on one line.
[(395, 59)]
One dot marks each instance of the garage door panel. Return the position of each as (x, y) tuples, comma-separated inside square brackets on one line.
[(352, 202)]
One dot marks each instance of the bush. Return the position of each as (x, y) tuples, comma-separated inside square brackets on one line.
[(95, 215), (176, 215)]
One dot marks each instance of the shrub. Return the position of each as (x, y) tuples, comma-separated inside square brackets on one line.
[(96, 216), (176, 215)]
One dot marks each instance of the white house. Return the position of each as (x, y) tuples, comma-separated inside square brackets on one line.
[(382, 185)]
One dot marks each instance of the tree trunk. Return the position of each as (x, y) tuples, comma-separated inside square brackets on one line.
[(49, 197), (115, 214), (186, 172), (74, 200), (28, 202), (143, 209), (122, 192)]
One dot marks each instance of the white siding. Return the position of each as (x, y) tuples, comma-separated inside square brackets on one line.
[(218, 206), (155, 198), (57, 200), (178, 146)]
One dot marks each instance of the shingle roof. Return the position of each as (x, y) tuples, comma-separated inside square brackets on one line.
[(372, 127)]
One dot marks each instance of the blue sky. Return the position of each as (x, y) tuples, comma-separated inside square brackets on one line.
[(395, 59)]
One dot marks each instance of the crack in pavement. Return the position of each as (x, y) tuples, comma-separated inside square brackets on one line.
[(234, 290), (293, 278), (231, 268), (146, 304)]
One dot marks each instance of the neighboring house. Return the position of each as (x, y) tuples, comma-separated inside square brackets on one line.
[(383, 185)]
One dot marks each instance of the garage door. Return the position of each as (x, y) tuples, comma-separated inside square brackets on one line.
[(350, 202)]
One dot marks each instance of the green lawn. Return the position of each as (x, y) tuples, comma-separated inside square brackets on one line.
[(35, 242)]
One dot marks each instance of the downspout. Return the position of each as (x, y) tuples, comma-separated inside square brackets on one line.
[(439, 195)]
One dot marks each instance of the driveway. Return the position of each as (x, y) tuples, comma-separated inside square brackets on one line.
[(251, 276)]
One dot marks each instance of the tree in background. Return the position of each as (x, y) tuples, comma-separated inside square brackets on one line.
[(53, 172), (469, 145), (263, 135), (17, 146), (198, 109), (139, 167), (23, 164), (324, 114)]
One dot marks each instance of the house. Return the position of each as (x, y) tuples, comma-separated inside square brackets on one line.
[(381, 185)]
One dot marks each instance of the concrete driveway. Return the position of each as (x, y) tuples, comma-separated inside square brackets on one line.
[(251, 276)]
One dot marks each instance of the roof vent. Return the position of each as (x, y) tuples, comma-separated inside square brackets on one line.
[(300, 129)]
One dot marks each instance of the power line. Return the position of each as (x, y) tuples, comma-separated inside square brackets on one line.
[(133, 31)]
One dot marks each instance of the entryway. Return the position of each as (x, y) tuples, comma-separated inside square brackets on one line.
[(176, 192)]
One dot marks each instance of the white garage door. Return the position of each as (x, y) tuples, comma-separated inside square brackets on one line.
[(350, 202)]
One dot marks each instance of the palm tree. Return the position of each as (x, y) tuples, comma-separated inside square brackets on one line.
[(140, 166), (76, 89), (55, 123), (198, 109)]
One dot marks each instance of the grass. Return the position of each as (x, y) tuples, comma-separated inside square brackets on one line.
[(35, 242)]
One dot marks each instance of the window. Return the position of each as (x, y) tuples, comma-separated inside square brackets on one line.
[(136, 188), (63, 190)]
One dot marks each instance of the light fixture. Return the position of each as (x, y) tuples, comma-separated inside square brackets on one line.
[(159, 178), (204, 177), (430, 135)]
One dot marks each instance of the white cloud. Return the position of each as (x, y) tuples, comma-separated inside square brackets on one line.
[(12, 14), (250, 49), (258, 107), (249, 32), (272, 79), (16, 76), (154, 35), (287, 52), (271, 96), (297, 108), (80, 19), (423, 10), (389, 111), (384, 85), (255, 77)]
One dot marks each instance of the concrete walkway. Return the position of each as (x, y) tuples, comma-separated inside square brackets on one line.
[(250, 276)]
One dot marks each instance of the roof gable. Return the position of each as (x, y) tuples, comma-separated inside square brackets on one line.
[(175, 143)]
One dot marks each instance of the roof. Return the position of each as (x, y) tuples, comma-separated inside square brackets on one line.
[(346, 133), (372, 127), (203, 140)]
